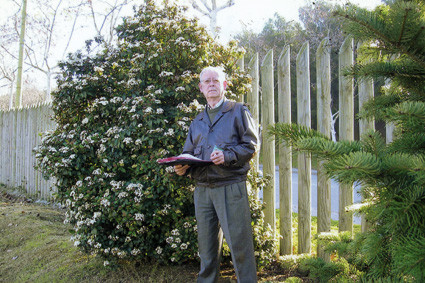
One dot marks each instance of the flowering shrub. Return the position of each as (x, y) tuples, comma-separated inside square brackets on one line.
[(118, 112)]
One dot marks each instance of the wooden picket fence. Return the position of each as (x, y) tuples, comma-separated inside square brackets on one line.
[(20, 132), (263, 75)]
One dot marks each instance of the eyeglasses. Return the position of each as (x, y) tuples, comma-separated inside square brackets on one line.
[(208, 81)]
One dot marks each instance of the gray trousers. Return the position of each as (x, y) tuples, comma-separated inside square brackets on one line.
[(225, 210)]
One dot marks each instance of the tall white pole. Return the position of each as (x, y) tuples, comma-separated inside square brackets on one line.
[(18, 97)]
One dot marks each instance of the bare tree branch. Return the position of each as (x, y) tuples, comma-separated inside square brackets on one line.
[(74, 23), (211, 11)]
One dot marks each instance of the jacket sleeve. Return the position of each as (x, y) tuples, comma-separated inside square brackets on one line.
[(241, 153), (188, 145), (189, 148)]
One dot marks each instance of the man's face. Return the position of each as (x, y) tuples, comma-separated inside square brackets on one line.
[(211, 86)]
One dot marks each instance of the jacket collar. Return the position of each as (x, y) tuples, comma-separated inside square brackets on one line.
[(226, 107)]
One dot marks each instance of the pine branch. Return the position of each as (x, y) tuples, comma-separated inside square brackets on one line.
[(377, 107), (402, 165), (368, 25), (374, 143), (325, 148), (353, 167), (291, 133), (408, 112), (410, 256)]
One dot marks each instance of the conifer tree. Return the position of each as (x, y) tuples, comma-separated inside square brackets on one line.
[(392, 174)]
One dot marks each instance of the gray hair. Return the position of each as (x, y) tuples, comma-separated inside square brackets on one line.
[(218, 70)]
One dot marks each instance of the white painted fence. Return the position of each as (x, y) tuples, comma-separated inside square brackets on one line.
[(20, 133)]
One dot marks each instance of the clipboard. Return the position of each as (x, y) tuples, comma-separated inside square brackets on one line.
[(184, 159)]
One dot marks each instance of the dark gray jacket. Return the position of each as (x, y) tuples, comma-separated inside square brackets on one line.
[(233, 130)]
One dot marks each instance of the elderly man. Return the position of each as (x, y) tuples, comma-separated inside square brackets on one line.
[(225, 133)]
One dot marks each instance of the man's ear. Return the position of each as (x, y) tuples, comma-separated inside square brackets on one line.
[(224, 84)]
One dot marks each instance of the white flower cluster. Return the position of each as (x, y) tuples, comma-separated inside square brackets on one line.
[(139, 217), (165, 74), (166, 209), (135, 252), (183, 42), (98, 69), (176, 242), (116, 185), (113, 131), (170, 132), (133, 82), (122, 195), (105, 203), (183, 107), (196, 105), (116, 100), (157, 130), (128, 140), (133, 186), (100, 101), (148, 110), (183, 125)]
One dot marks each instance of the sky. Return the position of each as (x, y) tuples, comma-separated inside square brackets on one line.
[(253, 14), (248, 14)]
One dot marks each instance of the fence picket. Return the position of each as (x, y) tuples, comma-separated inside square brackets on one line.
[(268, 145), (365, 93), (304, 159), (285, 153), (346, 127), (323, 72), (253, 97)]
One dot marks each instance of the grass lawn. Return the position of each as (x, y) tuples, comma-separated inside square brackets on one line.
[(35, 246)]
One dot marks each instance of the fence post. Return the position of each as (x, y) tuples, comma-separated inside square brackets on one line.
[(32, 122), (365, 93), (346, 127), (241, 65), (253, 97), (304, 159), (6, 147), (19, 147), (285, 153), (323, 71), (27, 152), (268, 145)]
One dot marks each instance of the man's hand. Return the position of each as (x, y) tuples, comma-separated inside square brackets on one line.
[(217, 157), (180, 169)]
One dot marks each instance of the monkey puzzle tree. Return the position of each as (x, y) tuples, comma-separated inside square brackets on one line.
[(393, 174)]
